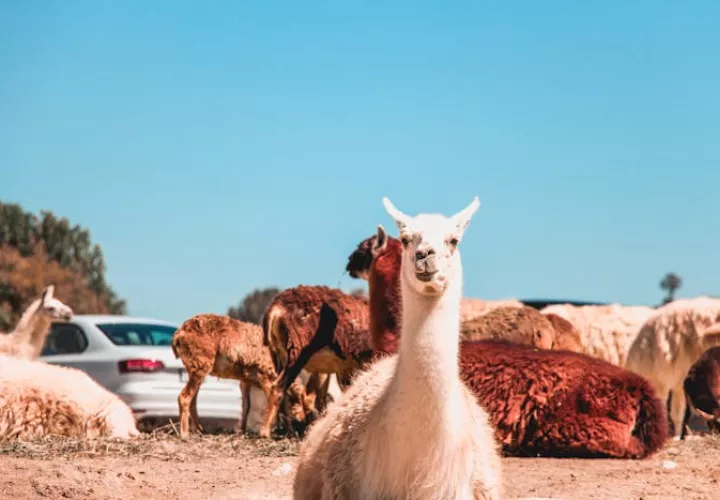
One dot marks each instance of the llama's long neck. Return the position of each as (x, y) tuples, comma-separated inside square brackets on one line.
[(429, 343), (32, 328), (385, 300)]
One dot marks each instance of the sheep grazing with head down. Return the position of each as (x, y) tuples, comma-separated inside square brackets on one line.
[(27, 339), (669, 342), (367, 444), (702, 389), (214, 344), (547, 402)]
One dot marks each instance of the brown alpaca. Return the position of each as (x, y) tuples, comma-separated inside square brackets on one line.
[(523, 325), (212, 344), (567, 337), (555, 403), (318, 329), (702, 390)]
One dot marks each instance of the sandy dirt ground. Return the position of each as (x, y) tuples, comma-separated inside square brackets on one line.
[(160, 466)]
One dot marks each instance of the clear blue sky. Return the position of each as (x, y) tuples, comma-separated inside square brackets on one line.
[(214, 147)]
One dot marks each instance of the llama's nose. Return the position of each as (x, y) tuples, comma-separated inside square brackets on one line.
[(424, 253)]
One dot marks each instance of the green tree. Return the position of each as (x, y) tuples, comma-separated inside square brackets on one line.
[(253, 306), (671, 282)]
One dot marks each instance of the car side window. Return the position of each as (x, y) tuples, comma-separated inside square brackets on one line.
[(65, 338)]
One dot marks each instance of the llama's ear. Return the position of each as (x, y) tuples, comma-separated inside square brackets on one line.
[(380, 242), (47, 293), (402, 220), (462, 218)]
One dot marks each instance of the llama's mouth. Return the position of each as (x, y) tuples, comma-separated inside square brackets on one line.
[(425, 277)]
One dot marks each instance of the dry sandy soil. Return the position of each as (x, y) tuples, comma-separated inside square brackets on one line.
[(160, 466)]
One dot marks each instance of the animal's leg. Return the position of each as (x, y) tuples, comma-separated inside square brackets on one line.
[(185, 401), (344, 379), (686, 420), (273, 396), (321, 387), (194, 417), (677, 407), (245, 394)]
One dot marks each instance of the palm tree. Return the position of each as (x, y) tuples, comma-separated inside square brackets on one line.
[(670, 283)]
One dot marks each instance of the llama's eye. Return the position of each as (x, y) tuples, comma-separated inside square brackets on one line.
[(453, 242), (405, 240)]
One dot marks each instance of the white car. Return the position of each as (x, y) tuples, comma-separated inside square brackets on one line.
[(132, 357)]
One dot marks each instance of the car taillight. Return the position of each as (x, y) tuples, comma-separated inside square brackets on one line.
[(140, 366)]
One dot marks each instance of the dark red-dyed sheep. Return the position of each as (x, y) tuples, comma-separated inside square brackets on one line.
[(702, 391), (546, 402)]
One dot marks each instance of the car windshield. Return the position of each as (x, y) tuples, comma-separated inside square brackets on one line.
[(133, 334)]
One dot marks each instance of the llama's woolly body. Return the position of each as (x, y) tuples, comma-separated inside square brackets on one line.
[(38, 399), (669, 342), (334, 468), (607, 331), (471, 308), (567, 337), (523, 325), (319, 329), (560, 404)]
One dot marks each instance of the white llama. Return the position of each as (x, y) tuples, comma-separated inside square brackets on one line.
[(39, 399), (408, 428), (27, 339)]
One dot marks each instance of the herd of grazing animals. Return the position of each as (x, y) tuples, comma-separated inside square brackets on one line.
[(479, 377)]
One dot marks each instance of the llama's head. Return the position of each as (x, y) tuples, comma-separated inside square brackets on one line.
[(430, 257), (52, 308), (359, 262)]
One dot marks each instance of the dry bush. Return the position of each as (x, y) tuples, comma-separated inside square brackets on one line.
[(22, 279)]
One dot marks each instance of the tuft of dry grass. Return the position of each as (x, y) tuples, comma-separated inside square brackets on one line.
[(162, 443)]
